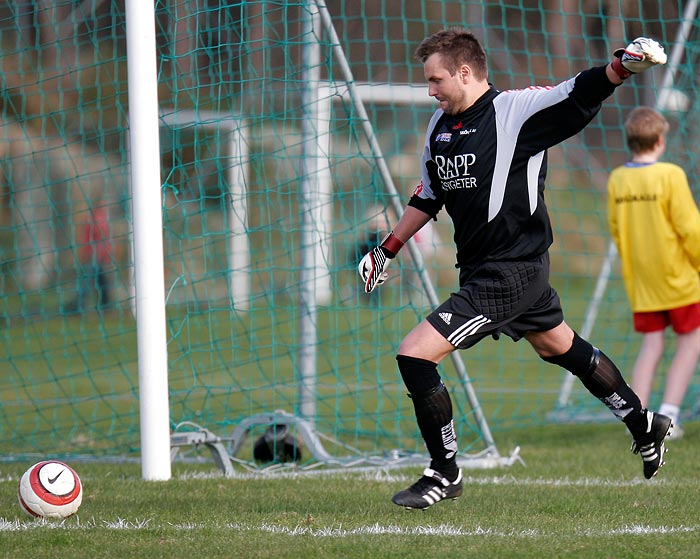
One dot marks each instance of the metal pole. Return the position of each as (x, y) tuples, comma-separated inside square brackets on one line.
[(591, 315), (611, 256), (677, 52), (346, 72), (237, 214)]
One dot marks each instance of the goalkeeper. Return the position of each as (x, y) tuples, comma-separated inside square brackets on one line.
[(485, 162)]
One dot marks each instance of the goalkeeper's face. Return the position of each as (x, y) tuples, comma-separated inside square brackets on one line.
[(450, 90)]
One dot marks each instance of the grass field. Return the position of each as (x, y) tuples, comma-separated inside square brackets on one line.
[(79, 375), (73, 388), (580, 494)]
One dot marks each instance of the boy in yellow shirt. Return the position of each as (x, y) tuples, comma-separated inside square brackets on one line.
[(655, 224)]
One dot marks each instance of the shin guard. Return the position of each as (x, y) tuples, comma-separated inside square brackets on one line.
[(433, 408), (600, 376)]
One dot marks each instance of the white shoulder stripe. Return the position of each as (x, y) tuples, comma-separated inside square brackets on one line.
[(533, 172), (513, 108), (505, 147)]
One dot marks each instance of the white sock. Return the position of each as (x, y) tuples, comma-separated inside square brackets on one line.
[(671, 411)]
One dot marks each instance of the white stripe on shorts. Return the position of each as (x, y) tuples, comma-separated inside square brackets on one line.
[(467, 329)]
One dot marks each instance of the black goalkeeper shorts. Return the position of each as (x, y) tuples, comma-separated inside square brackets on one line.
[(510, 298)]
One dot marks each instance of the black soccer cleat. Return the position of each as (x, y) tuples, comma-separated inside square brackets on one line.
[(428, 490), (651, 445)]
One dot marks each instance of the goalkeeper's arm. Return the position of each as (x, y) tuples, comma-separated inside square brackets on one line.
[(372, 267)]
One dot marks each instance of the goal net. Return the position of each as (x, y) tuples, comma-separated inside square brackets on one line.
[(288, 146)]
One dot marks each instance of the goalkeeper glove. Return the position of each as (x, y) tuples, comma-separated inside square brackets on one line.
[(372, 267), (641, 54)]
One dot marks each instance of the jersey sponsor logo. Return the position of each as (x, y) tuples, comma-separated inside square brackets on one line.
[(443, 137), (453, 172), (467, 131), (446, 317), (418, 189), (627, 198)]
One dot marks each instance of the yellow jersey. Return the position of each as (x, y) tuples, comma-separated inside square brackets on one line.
[(655, 224)]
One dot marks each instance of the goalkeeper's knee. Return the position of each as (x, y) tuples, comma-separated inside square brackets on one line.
[(581, 359), (419, 375)]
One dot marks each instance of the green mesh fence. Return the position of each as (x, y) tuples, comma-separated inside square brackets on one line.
[(232, 84)]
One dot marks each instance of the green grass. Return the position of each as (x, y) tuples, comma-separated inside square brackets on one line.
[(73, 381), (580, 495)]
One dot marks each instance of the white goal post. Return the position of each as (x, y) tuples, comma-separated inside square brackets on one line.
[(237, 173)]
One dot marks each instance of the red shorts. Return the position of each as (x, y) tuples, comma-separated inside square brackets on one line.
[(683, 319)]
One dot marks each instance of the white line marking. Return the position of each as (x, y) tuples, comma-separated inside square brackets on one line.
[(335, 531)]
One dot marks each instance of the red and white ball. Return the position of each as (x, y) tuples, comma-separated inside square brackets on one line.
[(50, 489)]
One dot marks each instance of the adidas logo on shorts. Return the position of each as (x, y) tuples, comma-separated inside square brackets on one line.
[(446, 316)]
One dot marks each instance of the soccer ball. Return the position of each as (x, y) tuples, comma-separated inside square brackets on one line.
[(50, 489)]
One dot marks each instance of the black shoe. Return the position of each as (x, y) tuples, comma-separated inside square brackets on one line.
[(651, 444), (428, 490)]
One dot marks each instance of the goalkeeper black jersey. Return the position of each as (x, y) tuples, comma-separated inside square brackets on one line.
[(487, 165)]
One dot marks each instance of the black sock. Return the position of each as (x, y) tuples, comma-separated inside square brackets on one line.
[(603, 380), (433, 407), (434, 416)]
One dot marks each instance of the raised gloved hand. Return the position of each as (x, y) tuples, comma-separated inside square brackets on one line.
[(372, 267), (641, 54)]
